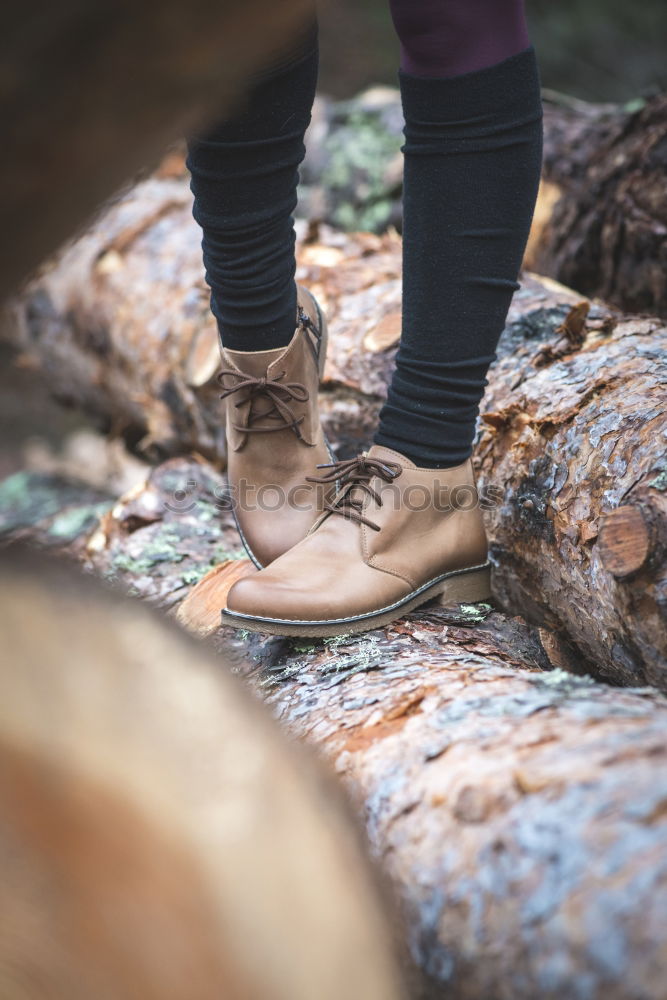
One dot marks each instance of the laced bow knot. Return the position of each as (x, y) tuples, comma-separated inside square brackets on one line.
[(278, 393), (354, 476)]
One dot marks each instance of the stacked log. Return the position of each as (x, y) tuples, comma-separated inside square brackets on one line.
[(573, 432), (99, 91), (132, 363), (604, 219), (159, 837), (518, 810)]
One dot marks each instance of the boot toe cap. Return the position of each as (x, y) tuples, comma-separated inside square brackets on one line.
[(247, 597), (281, 593), (269, 599)]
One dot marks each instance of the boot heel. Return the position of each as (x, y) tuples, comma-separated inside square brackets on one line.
[(466, 588)]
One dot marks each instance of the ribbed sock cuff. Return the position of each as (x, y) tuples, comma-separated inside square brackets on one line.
[(509, 89)]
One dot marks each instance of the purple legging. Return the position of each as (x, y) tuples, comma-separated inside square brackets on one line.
[(451, 37)]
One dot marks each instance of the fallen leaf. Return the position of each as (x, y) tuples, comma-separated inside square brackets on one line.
[(573, 327)]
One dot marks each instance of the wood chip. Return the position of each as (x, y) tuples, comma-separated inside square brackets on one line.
[(200, 611)]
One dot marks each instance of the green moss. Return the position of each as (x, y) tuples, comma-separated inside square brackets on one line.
[(221, 554), (475, 613), (160, 548), (660, 481), (632, 107), (27, 498), (70, 524), (192, 576), (338, 640), (356, 173), (300, 646), (558, 678), (14, 489)]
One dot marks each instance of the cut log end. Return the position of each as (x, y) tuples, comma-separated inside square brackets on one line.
[(624, 541)]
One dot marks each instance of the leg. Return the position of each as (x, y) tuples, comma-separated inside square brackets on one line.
[(406, 525), (451, 37), (472, 165), (244, 180)]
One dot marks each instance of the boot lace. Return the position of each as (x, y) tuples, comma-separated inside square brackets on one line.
[(277, 393), (354, 476)]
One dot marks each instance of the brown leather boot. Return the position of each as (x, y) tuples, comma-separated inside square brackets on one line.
[(393, 537), (274, 438)]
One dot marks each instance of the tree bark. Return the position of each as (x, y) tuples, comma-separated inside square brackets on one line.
[(601, 217), (117, 325), (513, 810), (573, 421), (574, 427), (602, 224), (120, 325), (574, 433), (518, 811)]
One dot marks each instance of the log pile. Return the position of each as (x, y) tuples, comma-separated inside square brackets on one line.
[(134, 364), (600, 227), (518, 810), (601, 215), (512, 809), (573, 430), (605, 193), (574, 435)]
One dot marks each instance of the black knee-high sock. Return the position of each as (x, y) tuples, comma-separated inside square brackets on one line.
[(473, 149), (244, 180)]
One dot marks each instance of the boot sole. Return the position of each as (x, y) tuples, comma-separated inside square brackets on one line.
[(321, 360), (461, 586)]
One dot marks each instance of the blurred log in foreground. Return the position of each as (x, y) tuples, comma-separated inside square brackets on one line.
[(519, 813), (94, 92), (574, 419), (159, 839)]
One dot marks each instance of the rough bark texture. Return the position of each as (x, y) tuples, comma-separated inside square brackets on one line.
[(120, 327), (573, 426), (94, 91), (520, 813), (125, 356), (514, 811), (606, 233)]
